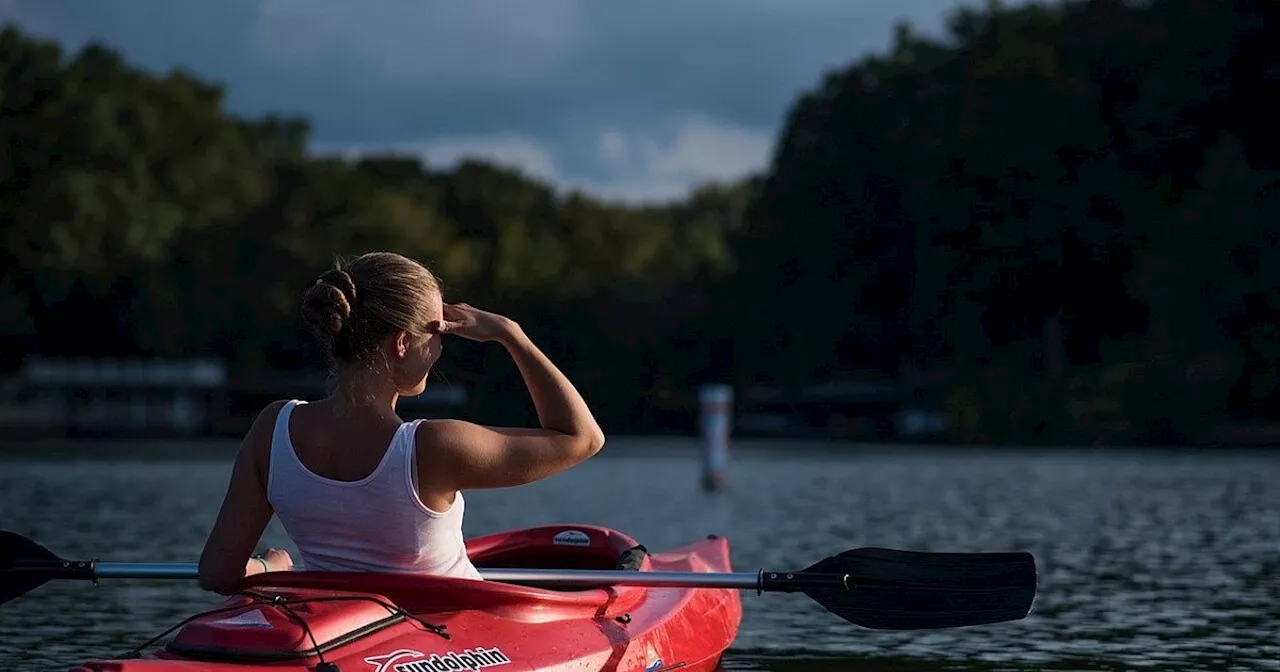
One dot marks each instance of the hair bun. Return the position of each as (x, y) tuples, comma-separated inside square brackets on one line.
[(396, 294), (327, 304), (342, 280)]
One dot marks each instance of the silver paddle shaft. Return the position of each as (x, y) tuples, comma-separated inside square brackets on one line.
[(604, 577), (145, 570), (593, 577)]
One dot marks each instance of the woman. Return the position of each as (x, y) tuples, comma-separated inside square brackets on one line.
[(357, 488)]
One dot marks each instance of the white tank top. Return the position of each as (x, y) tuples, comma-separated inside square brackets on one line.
[(375, 524)]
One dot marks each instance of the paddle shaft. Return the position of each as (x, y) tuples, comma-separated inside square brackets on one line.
[(759, 581), (893, 590)]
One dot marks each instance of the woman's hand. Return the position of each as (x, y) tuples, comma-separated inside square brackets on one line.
[(461, 319), (277, 561)]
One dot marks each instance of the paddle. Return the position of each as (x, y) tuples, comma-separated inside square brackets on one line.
[(876, 588)]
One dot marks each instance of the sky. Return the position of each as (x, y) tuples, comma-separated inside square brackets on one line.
[(628, 101)]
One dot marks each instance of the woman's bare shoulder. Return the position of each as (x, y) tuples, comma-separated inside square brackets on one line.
[(266, 420), (436, 434), (257, 441)]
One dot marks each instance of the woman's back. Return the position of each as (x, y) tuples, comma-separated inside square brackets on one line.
[(340, 473), (349, 506)]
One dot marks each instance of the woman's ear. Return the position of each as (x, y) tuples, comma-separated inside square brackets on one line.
[(402, 343)]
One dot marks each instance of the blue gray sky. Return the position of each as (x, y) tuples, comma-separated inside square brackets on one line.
[(626, 100)]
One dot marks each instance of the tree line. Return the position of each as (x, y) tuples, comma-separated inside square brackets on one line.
[(1073, 210)]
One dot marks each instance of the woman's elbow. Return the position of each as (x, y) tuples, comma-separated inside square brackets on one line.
[(594, 442), (218, 581)]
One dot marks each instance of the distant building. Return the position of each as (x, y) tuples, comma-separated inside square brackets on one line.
[(124, 398), (87, 397), (868, 409)]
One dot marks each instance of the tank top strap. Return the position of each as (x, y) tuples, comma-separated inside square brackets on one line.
[(281, 452), (407, 446), (407, 442)]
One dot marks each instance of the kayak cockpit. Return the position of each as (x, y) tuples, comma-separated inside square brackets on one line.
[(545, 547), (558, 547)]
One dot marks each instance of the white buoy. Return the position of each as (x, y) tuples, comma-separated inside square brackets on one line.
[(716, 403)]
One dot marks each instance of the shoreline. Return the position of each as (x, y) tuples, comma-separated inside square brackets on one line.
[(619, 445)]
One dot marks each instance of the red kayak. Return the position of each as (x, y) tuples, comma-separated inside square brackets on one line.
[(330, 621), (556, 597)]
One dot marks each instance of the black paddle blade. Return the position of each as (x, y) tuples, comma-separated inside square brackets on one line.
[(911, 590), (17, 554)]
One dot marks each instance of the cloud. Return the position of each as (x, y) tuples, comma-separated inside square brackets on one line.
[(636, 165), (30, 17), (510, 150), (646, 165), (636, 101), (507, 149), (612, 146), (700, 149), (415, 41)]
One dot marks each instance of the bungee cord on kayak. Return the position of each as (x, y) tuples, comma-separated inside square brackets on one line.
[(286, 605)]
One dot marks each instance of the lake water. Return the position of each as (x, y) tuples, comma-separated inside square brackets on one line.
[(1148, 559)]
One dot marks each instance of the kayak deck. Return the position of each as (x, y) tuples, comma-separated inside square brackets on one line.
[(415, 623)]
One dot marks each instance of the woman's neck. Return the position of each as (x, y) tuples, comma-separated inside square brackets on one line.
[(363, 391)]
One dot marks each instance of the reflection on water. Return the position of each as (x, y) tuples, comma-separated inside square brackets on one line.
[(1151, 560)]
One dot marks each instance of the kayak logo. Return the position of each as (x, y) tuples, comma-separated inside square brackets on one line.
[(571, 538), (406, 660), (655, 660)]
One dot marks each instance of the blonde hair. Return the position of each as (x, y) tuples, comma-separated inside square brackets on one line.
[(352, 308)]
